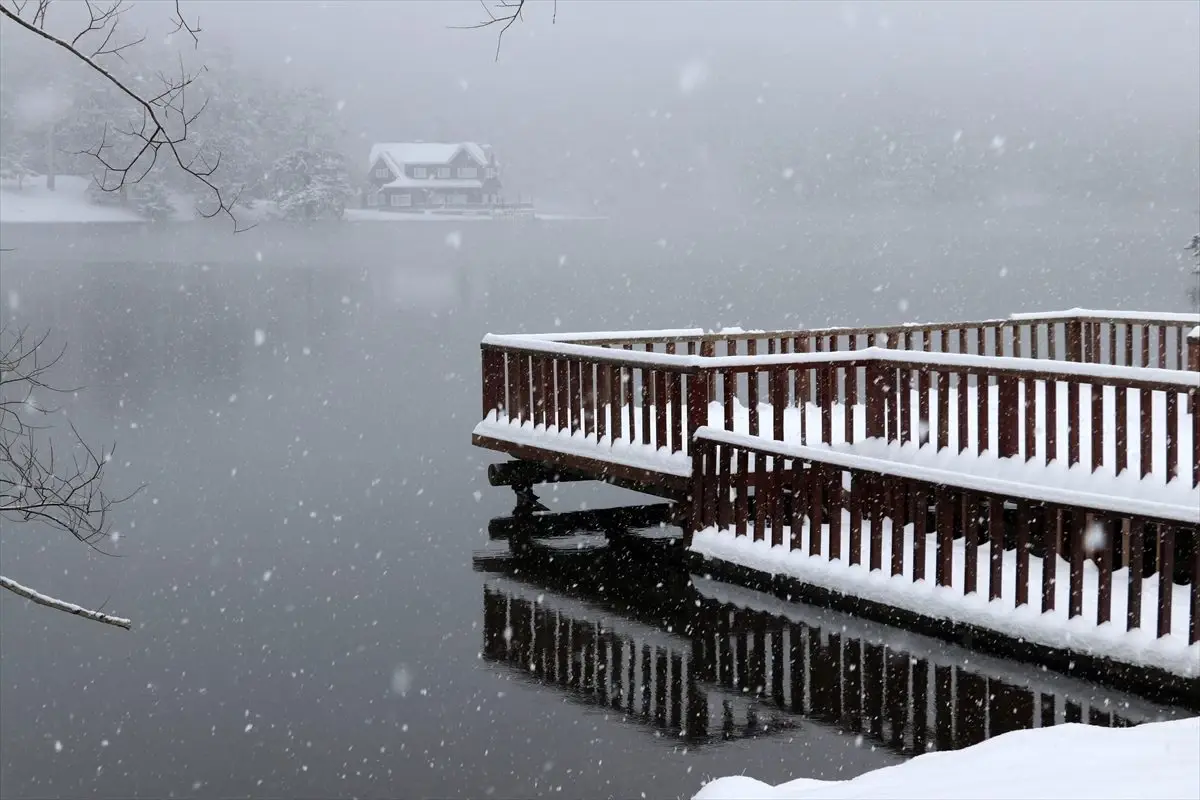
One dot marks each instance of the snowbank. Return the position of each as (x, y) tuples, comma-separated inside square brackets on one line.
[(1158, 759), (68, 203)]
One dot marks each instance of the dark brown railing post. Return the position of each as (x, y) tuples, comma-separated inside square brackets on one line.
[(876, 398), (493, 380), (1074, 329), (697, 401), (1193, 349)]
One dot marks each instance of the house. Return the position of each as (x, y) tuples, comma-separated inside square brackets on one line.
[(407, 176)]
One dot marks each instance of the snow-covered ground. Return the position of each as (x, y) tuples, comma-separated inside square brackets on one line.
[(33, 202), (1158, 759), (373, 215)]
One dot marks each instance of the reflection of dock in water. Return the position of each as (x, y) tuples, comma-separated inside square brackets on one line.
[(622, 626)]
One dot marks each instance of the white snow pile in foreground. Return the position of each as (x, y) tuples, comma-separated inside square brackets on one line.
[(1158, 759)]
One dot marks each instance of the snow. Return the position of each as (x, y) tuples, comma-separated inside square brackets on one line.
[(1158, 759), (1106, 315), (623, 452), (397, 154), (1054, 628), (68, 203), (1195, 333)]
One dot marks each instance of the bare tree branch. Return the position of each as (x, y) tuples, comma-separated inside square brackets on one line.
[(40, 481), (165, 119), (62, 605), (507, 12)]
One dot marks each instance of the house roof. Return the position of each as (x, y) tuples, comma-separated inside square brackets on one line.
[(397, 154)]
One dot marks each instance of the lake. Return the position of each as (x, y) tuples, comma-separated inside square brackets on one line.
[(319, 608)]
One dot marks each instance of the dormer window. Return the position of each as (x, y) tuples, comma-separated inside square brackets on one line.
[(383, 172), (468, 172), (420, 172), (491, 172), (443, 172)]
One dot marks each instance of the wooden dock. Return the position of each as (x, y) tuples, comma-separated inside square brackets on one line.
[(860, 459)]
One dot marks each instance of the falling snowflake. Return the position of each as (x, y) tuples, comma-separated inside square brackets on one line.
[(692, 76), (454, 239)]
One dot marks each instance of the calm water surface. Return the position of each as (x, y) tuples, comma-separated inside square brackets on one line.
[(320, 609)]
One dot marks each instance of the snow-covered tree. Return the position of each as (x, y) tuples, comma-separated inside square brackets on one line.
[(312, 183)]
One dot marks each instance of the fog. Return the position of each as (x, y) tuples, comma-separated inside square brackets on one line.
[(725, 96), (318, 600)]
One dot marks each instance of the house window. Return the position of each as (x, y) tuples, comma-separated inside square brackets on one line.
[(443, 172), (468, 172), (491, 172), (401, 200), (420, 172), (383, 172), (373, 199)]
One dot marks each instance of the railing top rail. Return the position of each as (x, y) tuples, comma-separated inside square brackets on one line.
[(1093, 315), (1189, 514), (1131, 377), (741, 334)]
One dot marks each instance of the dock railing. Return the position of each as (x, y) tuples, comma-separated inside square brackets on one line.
[(1110, 418), (804, 498)]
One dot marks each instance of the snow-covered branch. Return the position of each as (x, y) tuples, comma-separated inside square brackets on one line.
[(52, 602)]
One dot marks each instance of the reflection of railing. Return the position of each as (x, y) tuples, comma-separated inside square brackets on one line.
[(614, 629)]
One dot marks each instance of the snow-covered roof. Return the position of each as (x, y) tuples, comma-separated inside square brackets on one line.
[(397, 154)]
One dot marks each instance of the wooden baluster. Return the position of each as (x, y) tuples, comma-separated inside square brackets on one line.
[(834, 503), (1097, 403), (799, 497), (724, 487), (946, 504), (1076, 546), (547, 378), (817, 480), (1096, 357), (562, 394), (904, 403), (661, 410), (1052, 341), (897, 490), (1166, 573), (996, 548), (699, 518), (918, 511), (587, 397), (493, 380), (708, 349), (1194, 404), (752, 387), (1146, 429), (1008, 418), (822, 379), (1051, 423), (1103, 556), (1121, 396), (943, 409), (729, 381), (627, 399), (876, 495), (1160, 341), (1051, 524), (777, 392), (522, 387), (1136, 573), (962, 399), (1074, 336), (1145, 346), (647, 400), (856, 517), (1112, 343), (1022, 576), (983, 395), (1030, 403), (713, 455), (970, 522), (761, 499), (1172, 426), (1127, 331), (777, 506), (1073, 416), (576, 389), (851, 402), (741, 506), (696, 413), (890, 396), (675, 392), (924, 384), (616, 389)]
